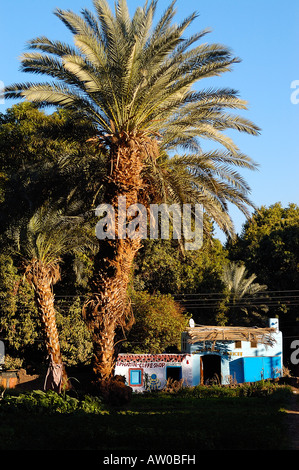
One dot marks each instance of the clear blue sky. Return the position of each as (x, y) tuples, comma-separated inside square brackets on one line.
[(263, 33)]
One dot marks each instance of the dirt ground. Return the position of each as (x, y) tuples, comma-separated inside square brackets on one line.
[(27, 382), (80, 380)]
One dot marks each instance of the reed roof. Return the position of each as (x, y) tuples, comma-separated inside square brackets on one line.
[(231, 333)]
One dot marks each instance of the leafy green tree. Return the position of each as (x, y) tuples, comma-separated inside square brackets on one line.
[(41, 156), (75, 340), (132, 81), (269, 245), (193, 278), (18, 313), (45, 156), (159, 322), (160, 266)]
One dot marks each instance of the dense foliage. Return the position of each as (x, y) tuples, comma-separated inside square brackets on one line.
[(269, 245), (159, 322)]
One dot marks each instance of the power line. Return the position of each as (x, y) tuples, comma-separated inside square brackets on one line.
[(221, 293), (211, 300), (180, 295), (202, 297)]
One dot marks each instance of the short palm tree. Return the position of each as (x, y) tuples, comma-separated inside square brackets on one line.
[(133, 81), (40, 242), (242, 292)]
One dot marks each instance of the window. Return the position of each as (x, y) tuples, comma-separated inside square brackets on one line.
[(238, 344), (253, 344), (174, 373), (135, 377)]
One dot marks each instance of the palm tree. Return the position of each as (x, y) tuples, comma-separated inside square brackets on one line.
[(242, 293), (133, 81), (39, 243)]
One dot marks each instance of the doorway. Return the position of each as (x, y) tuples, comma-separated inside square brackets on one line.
[(210, 369)]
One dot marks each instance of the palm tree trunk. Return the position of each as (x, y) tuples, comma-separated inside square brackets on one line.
[(56, 377), (108, 309)]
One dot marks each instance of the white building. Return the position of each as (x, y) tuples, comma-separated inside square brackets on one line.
[(209, 353)]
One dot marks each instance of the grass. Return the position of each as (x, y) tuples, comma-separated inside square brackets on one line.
[(179, 422)]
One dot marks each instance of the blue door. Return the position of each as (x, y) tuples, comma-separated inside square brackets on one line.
[(258, 368)]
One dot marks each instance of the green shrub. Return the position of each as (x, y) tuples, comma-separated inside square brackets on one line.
[(51, 402)]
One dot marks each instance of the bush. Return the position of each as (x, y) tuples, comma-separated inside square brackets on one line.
[(51, 402)]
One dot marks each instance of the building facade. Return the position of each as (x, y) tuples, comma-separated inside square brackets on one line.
[(209, 355)]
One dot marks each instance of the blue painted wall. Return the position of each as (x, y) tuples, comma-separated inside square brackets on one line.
[(236, 370), (251, 369)]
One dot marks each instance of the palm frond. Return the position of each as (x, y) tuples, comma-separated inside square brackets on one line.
[(48, 234), (235, 278), (131, 76)]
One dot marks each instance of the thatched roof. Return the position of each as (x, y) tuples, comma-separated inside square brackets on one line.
[(230, 333)]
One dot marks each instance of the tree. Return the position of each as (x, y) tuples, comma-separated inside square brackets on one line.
[(18, 313), (159, 322), (192, 277), (44, 156), (241, 295), (163, 266), (75, 341), (133, 83), (39, 244), (269, 245)]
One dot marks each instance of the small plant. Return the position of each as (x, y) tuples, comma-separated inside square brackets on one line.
[(173, 386), (286, 372)]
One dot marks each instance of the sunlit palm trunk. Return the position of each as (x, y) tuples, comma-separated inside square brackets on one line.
[(45, 304), (109, 310)]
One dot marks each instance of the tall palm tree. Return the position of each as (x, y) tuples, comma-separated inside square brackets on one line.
[(133, 80), (39, 244)]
